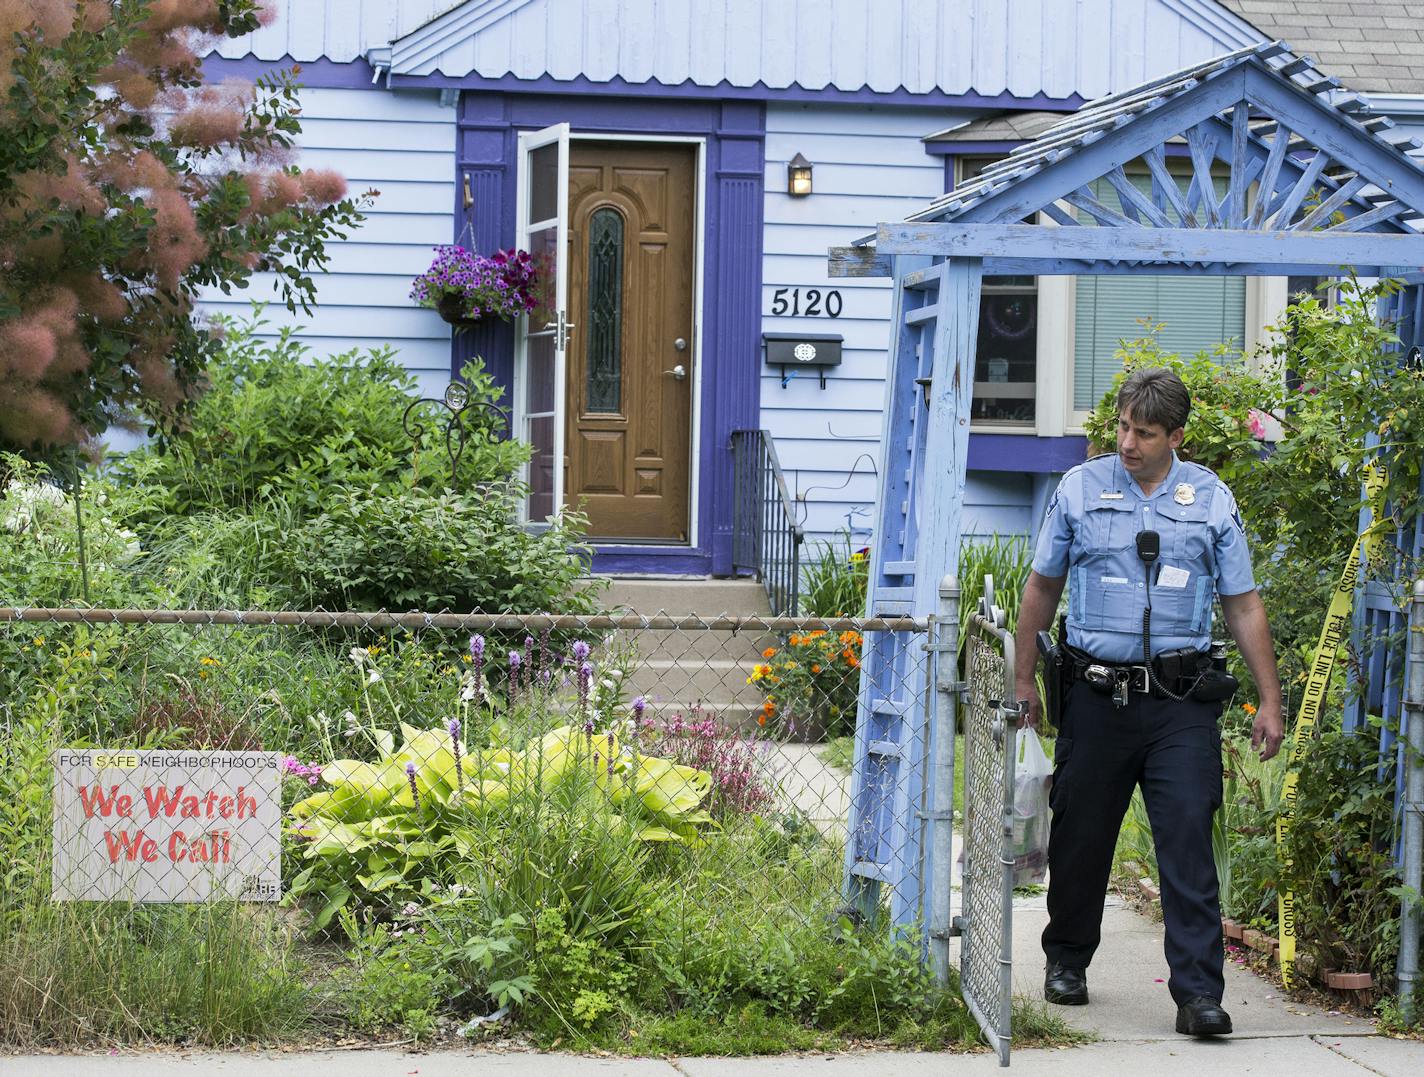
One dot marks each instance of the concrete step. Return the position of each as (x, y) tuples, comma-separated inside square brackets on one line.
[(692, 680), (697, 645), (686, 595)]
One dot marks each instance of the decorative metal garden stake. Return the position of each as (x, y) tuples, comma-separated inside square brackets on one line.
[(457, 402)]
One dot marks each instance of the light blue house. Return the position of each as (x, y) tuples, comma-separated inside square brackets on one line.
[(648, 147)]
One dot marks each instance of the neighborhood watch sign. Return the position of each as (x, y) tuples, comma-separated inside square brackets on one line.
[(166, 825)]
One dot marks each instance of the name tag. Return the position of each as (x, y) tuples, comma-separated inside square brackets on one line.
[(1173, 577), (1110, 495), (1120, 580)]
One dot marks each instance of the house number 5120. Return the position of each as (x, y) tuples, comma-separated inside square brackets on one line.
[(788, 302)]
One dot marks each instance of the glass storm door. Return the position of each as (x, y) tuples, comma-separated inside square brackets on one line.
[(542, 341)]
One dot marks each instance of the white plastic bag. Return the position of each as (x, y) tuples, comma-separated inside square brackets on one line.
[(1032, 774)]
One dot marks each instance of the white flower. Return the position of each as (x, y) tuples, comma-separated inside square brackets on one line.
[(359, 655), (372, 677)]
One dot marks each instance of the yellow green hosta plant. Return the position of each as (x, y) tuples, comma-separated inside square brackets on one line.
[(384, 831)]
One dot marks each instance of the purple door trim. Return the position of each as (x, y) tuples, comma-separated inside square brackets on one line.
[(486, 149)]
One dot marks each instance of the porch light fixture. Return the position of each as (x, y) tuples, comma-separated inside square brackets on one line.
[(798, 177)]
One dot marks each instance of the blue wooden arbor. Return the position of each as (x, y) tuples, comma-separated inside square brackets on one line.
[(1313, 181)]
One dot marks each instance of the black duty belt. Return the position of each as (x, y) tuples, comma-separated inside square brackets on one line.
[(1119, 678)]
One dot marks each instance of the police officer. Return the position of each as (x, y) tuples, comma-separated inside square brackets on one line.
[(1130, 719)]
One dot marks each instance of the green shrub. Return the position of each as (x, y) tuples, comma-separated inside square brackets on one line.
[(409, 549), (298, 484), (278, 423), (1339, 857)]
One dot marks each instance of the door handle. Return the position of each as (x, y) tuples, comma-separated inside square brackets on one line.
[(679, 372), (680, 344)]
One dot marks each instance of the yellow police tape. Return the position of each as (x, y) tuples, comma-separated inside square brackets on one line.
[(1332, 634)]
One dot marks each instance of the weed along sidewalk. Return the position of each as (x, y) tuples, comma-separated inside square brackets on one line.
[(1128, 1018)]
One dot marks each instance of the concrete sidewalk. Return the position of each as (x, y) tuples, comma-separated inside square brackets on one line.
[(1131, 1014)]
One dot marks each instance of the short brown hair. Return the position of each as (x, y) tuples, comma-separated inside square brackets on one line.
[(1155, 396)]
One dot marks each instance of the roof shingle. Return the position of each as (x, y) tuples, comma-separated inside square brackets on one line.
[(1359, 40)]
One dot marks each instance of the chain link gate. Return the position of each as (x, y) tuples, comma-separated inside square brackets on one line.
[(985, 923)]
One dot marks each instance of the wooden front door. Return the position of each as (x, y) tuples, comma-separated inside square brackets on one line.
[(630, 377)]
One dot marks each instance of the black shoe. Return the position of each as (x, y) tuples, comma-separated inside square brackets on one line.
[(1065, 986), (1203, 1016)]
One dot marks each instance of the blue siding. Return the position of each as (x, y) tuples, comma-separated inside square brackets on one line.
[(997, 503), (363, 299), (869, 166)]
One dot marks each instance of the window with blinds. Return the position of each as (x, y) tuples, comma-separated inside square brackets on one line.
[(1198, 313)]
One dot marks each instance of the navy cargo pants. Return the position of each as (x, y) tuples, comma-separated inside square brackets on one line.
[(1173, 750)]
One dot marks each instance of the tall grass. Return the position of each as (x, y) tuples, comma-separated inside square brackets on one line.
[(216, 974), (1004, 557), (835, 580)]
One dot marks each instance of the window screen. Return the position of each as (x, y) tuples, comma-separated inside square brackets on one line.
[(1199, 313)]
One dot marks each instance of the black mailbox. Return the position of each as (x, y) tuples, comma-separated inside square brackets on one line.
[(791, 350)]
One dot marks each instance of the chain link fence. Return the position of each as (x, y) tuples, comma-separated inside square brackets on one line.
[(637, 777), (987, 886)]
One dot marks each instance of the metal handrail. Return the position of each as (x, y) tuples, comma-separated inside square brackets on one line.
[(766, 539)]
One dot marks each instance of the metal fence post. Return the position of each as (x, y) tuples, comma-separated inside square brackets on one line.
[(1413, 808), (944, 726)]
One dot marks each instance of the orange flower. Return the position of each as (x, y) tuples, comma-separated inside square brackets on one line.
[(815, 669), (761, 719), (850, 637), (770, 652), (853, 662), (1249, 709)]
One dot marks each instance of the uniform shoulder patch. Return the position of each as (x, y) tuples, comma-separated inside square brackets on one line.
[(1227, 501)]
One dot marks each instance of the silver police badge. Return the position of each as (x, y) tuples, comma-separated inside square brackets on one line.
[(1185, 494)]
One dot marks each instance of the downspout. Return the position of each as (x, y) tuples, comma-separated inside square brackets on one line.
[(1412, 810), (379, 57)]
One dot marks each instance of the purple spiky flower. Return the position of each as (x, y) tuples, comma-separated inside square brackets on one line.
[(454, 728), (477, 657), (410, 778), (585, 679), (516, 660)]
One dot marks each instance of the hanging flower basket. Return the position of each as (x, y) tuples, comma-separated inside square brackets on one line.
[(451, 308), (465, 288)]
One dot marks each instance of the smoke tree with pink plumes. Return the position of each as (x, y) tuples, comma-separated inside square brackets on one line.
[(127, 184)]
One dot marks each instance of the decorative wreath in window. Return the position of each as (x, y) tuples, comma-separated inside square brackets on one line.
[(1014, 319)]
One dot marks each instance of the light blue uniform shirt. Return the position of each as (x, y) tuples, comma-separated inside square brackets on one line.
[(1090, 536)]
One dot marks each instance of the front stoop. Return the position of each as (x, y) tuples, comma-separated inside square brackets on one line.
[(678, 670)]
